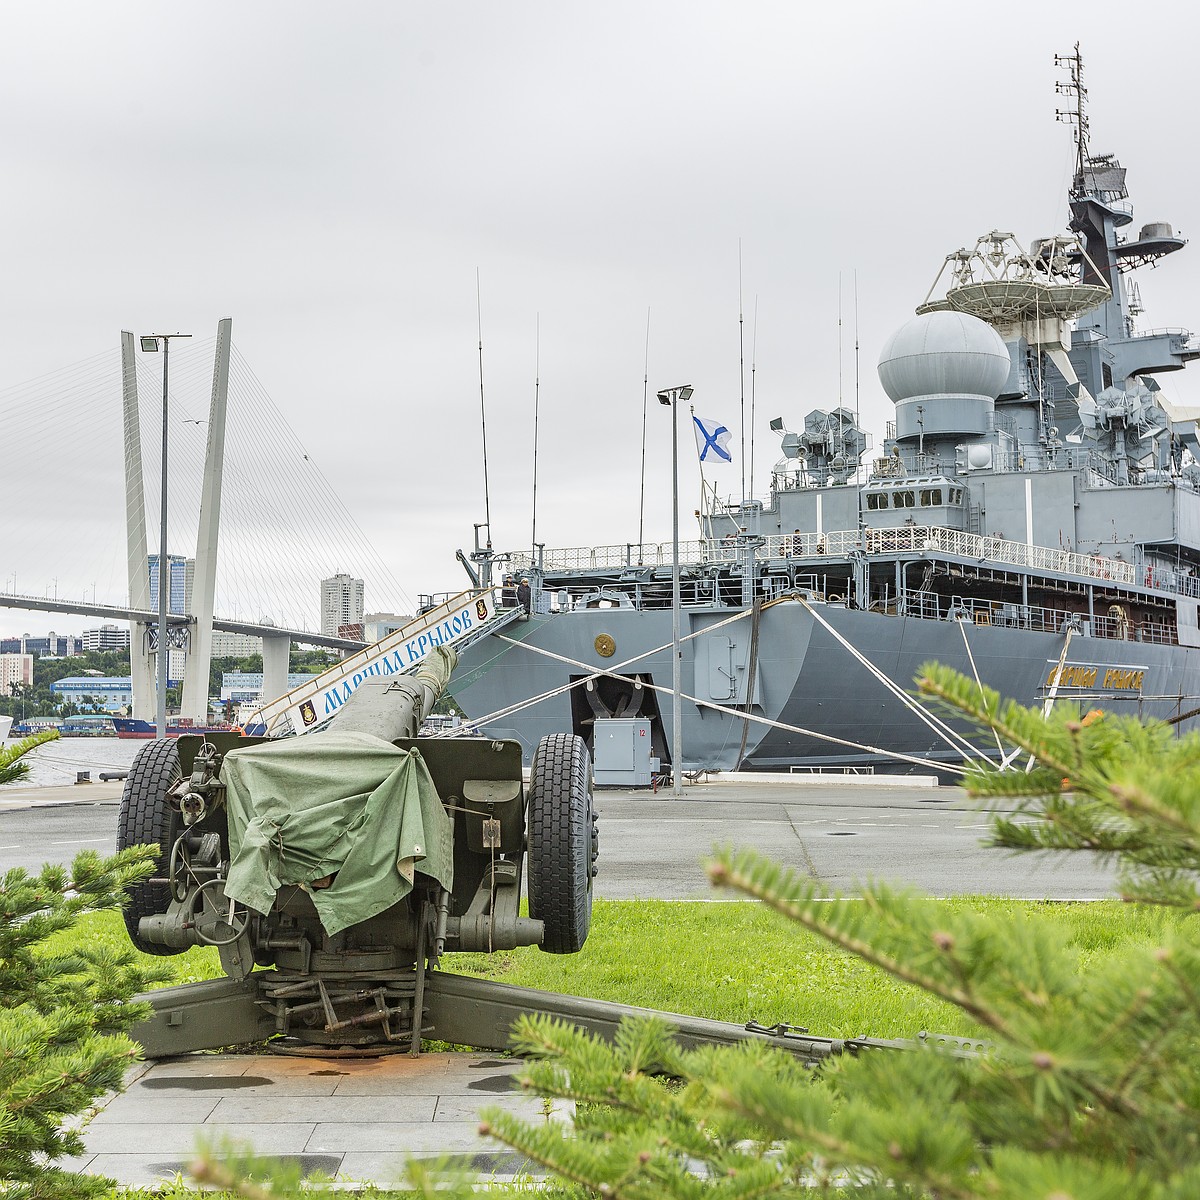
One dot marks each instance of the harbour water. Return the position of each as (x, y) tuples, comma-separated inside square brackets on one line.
[(59, 762)]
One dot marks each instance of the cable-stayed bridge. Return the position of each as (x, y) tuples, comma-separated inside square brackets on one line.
[(83, 447)]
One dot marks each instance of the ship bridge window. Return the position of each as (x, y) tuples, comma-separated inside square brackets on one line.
[(931, 497), (904, 499), (877, 500)]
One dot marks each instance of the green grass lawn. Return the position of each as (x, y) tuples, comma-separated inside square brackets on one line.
[(739, 962)]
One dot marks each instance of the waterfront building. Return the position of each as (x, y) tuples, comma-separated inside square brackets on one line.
[(341, 605), (112, 693)]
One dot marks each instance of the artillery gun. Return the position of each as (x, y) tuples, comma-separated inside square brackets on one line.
[(350, 861), (343, 864)]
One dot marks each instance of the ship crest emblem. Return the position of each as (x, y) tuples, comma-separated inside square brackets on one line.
[(481, 609), (308, 714)]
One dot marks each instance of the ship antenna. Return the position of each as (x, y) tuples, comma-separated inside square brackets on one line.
[(487, 504), (753, 369), (839, 345), (537, 362), (742, 370), (857, 414), (645, 394), (1077, 116)]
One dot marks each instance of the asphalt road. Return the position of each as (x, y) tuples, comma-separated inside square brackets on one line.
[(653, 847)]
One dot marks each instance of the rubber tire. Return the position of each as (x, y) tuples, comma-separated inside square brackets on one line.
[(147, 819), (560, 835)]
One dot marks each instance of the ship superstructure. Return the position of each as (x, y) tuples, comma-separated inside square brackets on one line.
[(1032, 517)]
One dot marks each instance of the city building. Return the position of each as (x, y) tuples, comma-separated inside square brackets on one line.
[(235, 645), (181, 573), (112, 693), (341, 605), (376, 626), (53, 645), (15, 669), (245, 687), (107, 637)]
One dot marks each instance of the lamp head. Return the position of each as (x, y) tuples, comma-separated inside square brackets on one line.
[(669, 395), (149, 345)]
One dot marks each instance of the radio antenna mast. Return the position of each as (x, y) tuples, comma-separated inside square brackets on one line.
[(742, 370), (1077, 116), (753, 368), (487, 504), (537, 360), (645, 394), (857, 413)]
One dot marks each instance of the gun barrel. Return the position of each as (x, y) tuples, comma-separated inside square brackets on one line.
[(391, 707)]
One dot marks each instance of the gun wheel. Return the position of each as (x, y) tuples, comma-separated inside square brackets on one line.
[(147, 818), (562, 841)]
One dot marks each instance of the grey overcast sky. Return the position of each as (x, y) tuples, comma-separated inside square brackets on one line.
[(333, 177)]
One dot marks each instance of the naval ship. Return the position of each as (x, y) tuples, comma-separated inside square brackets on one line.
[(1032, 519)]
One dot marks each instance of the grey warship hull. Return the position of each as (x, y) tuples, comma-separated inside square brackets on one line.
[(820, 684)]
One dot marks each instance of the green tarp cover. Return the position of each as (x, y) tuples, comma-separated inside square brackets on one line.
[(344, 804)]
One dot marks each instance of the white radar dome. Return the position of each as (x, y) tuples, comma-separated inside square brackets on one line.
[(944, 354)]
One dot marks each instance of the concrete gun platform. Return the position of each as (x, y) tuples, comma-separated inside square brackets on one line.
[(354, 1118)]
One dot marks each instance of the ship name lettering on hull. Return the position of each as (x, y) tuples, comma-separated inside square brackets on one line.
[(1128, 679)]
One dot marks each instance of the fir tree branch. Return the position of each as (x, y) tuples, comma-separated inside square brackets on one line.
[(931, 682)]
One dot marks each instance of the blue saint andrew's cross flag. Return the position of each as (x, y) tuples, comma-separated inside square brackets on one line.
[(712, 441)]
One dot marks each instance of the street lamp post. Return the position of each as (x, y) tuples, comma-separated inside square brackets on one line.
[(673, 397), (150, 346)]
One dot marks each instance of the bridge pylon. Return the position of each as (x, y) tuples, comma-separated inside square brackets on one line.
[(196, 639)]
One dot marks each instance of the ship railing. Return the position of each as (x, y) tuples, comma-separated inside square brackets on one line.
[(1183, 335), (1035, 618), (903, 539), (628, 554), (1030, 458)]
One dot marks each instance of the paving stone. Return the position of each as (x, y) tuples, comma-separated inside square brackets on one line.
[(500, 1165), (467, 1108), (264, 1110), (170, 1087), (153, 1110), (201, 1064), (146, 1170), (117, 1138), (396, 1137)]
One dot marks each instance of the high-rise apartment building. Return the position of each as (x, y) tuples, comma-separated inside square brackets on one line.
[(15, 668), (341, 605), (180, 574)]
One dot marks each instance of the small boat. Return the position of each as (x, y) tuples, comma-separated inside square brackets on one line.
[(134, 727)]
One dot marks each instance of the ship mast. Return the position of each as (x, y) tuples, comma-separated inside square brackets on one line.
[(1077, 116)]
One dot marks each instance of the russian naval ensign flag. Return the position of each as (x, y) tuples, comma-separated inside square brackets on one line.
[(712, 441)]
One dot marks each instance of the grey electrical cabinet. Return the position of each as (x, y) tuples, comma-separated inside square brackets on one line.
[(622, 757)]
